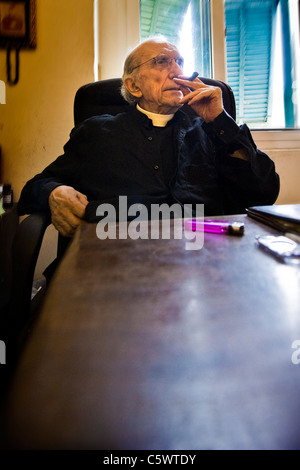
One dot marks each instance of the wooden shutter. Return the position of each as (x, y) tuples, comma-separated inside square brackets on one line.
[(249, 34)]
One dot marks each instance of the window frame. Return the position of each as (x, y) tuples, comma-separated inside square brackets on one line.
[(281, 138)]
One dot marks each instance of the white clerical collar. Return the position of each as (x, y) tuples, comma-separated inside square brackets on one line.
[(158, 120)]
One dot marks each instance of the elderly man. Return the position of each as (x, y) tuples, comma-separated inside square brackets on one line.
[(155, 153)]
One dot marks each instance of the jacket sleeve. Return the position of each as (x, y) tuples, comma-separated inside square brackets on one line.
[(65, 170), (243, 183)]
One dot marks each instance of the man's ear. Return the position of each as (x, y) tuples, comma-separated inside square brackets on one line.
[(132, 87)]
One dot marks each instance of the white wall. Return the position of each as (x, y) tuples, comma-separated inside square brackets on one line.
[(284, 149)]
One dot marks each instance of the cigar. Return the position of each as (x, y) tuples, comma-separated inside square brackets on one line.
[(193, 76)]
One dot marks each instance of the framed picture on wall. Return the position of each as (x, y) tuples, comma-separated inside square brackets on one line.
[(18, 23)]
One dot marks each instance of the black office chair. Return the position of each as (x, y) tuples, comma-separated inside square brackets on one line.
[(102, 97), (9, 222), (21, 308)]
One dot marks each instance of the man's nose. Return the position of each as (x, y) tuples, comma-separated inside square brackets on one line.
[(175, 69)]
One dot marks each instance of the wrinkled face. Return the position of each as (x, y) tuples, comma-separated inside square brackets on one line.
[(154, 84)]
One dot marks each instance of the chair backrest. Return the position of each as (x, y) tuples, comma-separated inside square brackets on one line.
[(104, 97)]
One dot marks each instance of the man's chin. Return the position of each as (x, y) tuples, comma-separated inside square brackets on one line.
[(175, 95), (175, 106)]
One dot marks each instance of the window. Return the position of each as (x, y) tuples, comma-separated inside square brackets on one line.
[(185, 23), (261, 48)]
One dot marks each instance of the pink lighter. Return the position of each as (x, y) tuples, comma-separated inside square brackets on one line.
[(214, 226)]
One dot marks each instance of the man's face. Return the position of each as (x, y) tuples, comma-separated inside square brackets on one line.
[(158, 92)]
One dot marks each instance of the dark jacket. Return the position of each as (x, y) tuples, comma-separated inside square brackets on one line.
[(108, 156)]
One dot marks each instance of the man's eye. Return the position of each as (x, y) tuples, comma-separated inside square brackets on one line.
[(180, 62), (161, 61)]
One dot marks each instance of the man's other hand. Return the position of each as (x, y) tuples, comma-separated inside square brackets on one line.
[(67, 209)]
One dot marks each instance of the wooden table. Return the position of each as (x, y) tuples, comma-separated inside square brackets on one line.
[(142, 344)]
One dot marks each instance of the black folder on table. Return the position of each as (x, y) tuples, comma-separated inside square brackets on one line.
[(283, 217)]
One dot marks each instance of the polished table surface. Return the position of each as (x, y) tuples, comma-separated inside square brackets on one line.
[(142, 344)]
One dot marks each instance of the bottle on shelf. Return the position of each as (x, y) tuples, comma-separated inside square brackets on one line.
[(7, 199)]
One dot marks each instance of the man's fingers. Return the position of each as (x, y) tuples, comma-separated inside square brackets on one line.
[(66, 198), (63, 228), (80, 204), (82, 198), (194, 84), (66, 224), (198, 95), (67, 209)]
